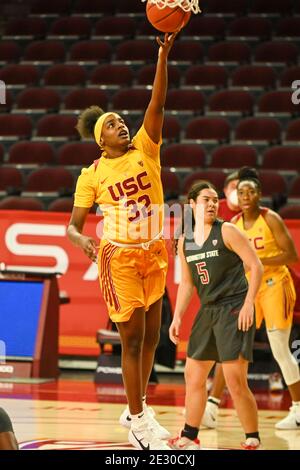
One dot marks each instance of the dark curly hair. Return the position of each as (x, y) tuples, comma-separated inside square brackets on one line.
[(87, 120), (246, 173)]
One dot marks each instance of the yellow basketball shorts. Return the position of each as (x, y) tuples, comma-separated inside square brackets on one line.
[(275, 303), (131, 277)]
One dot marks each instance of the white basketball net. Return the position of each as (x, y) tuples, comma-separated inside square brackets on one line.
[(186, 5)]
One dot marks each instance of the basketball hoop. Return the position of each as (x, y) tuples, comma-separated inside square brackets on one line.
[(186, 5)]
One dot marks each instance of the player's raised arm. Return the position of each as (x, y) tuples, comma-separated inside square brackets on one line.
[(153, 120)]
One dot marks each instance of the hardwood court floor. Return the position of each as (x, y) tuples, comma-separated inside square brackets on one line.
[(78, 414)]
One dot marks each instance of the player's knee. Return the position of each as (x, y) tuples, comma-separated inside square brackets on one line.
[(235, 386), (132, 347), (151, 340), (279, 343)]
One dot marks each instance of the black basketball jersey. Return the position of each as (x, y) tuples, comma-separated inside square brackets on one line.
[(217, 272)]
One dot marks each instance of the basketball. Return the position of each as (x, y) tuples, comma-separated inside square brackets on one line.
[(167, 19)]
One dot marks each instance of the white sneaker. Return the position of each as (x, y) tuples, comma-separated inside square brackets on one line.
[(159, 431), (210, 417), (184, 443), (251, 444), (292, 420), (154, 426), (275, 382), (144, 439)]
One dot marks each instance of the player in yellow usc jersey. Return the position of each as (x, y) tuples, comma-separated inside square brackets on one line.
[(132, 258), (275, 300)]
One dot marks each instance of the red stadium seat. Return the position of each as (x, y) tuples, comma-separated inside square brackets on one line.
[(21, 203), (62, 204), (293, 131), (4, 107), (216, 177), (78, 153), (206, 76), (10, 51), (250, 27), (275, 6), (75, 26), (277, 52), (39, 99), (290, 211), (288, 27), (90, 51), (229, 52), (130, 6), (190, 101), (15, 126), (294, 191), (233, 7), (272, 183), (171, 128), (55, 7), (19, 74), (131, 99), (277, 102), (136, 50), (145, 30), (146, 75), (93, 7), (205, 26), (216, 129), (27, 152), (83, 98), (258, 130), (113, 75), (186, 51), (282, 158), (229, 101), (233, 156), (122, 26), (49, 180), (254, 76), (183, 156), (171, 184), (45, 51), (29, 27), (11, 180), (57, 126), (65, 75), (289, 76)]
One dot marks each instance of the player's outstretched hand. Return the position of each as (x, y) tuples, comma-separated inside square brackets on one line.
[(166, 45)]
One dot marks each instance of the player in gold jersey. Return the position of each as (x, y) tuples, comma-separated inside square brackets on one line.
[(132, 258), (276, 298)]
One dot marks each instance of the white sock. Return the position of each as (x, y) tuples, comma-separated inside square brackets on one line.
[(138, 421)]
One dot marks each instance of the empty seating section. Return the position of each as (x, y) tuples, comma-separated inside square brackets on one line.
[(231, 75), (233, 157), (31, 153), (60, 75)]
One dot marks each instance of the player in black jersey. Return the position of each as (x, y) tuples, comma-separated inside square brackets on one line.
[(7, 437), (213, 254)]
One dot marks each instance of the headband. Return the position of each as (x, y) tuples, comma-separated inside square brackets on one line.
[(99, 125)]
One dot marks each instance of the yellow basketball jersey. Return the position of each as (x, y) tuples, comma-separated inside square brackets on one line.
[(128, 190), (264, 244)]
